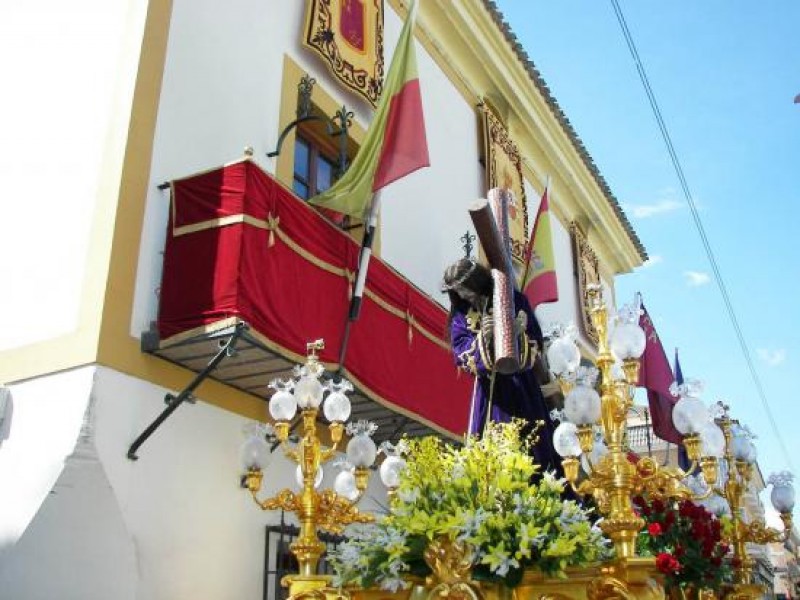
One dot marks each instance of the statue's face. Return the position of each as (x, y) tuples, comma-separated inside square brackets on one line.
[(474, 298)]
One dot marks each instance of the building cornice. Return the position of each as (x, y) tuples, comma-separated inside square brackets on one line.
[(477, 50)]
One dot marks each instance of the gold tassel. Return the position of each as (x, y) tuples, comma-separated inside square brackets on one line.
[(410, 321), (350, 276), (272, 225)]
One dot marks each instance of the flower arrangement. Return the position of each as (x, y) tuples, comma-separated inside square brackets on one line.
[(686, 540), (479, 497)]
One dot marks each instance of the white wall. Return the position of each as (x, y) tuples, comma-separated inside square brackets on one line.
[(221, 92), (62, 68), (425, 213), (196, 533), (47, 416), (78, 537)]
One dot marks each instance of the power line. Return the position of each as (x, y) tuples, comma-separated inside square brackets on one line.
[(700, 229)]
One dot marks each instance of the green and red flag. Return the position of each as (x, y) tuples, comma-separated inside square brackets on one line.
[(395, 144), (539, 282)]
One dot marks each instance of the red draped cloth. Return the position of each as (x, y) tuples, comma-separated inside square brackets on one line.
[(240, 247)]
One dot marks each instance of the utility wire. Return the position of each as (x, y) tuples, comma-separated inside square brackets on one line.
[(700, 229)]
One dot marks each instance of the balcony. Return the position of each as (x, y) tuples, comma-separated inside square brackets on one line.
[(242, 249)]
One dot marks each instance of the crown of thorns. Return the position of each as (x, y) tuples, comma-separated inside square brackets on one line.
[(447, 286)]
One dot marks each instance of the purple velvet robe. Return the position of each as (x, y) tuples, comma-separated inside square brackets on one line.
[(517, 395)]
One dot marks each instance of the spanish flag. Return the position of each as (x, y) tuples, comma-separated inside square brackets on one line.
[(539, 282), (395, 144)]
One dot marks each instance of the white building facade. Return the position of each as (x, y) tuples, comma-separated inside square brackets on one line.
[(146, 91)]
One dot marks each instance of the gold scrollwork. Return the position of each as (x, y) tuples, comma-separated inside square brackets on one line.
[(451, 563), (660, 482), (360, 69), (587, 266), (504, 170), (757, 532), (335, 513), (607, 587)]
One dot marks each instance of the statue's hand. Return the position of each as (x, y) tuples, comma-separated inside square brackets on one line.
[(487, 327), (521, 322)]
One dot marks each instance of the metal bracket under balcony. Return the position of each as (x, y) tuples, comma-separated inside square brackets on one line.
[(252, 366)]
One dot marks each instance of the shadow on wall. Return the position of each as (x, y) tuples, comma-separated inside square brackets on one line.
[(6, 413)]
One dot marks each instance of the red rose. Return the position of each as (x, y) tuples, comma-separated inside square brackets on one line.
[(667, 564), (658, 506), (679, 551), (669, 519), (654, 529)]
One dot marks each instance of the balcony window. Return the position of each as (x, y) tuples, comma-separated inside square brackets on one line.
[(313, 170)]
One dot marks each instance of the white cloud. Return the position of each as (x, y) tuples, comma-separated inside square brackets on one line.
[(696, 278), (666, 200), (645, 211), (772, 357), (652, 261)]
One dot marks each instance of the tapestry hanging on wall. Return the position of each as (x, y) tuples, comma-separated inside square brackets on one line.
[(504, 169), (348, 35), (587, 271)]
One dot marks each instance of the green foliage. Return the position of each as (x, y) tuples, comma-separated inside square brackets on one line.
[(481, 494)]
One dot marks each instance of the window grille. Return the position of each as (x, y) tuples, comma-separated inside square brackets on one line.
[(279, 560)]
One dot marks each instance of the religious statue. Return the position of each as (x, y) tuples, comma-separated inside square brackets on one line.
[(495, 335), (497, 396)]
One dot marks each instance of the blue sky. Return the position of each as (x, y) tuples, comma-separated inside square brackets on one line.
[(725, 75)]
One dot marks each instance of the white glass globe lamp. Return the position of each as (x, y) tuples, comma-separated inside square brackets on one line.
[(582, 405), (254, 451), (627, 340), (689, 415), (782, 495), (563, 355), (345, 485), (308, 392), (282, 405), (361, 450), (565, 440), (713, 440), (337, 407), (391, 470)]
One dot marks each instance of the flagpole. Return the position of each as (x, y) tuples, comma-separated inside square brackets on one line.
[(361, 276)]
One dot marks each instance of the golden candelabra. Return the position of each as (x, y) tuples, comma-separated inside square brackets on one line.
[(614, 480), (740, 465), (315, 510)]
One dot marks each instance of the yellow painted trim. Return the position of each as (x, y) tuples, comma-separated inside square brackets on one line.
[(116, 348), (49, 356), (292, 73), (284, 165), (80, 347)]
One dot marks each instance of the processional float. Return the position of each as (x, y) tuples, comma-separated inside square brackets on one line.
[(613, 481)]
